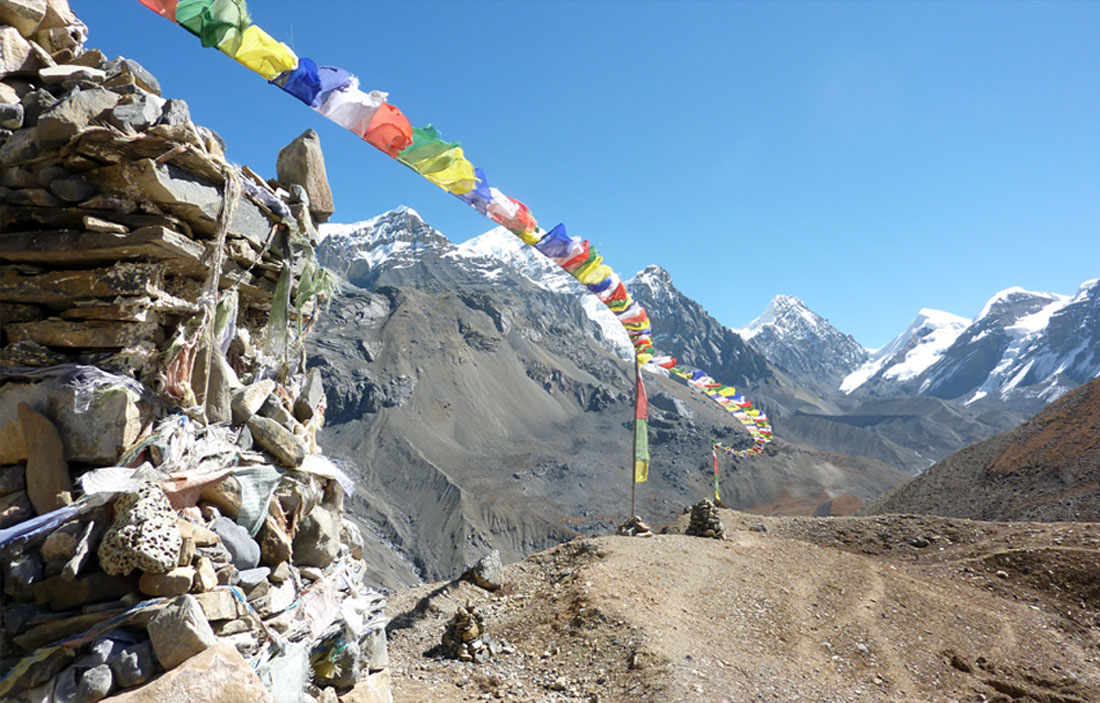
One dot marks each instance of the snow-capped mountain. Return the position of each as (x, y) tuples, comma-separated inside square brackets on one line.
[(1023, 347), (922, 344), (803, 343), (398, 247)]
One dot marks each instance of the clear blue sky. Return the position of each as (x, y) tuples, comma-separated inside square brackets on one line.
[(869, 158)]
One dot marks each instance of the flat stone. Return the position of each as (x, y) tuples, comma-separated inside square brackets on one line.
[(247, 401), (173, 583), (96, 224), (73, 114), (20, 146), (31, 197), (47, 471), (233, 627), (67, 73), (217, 675), (302, 162), (24, 15), (374, 688), (180, 631), (281, 573), (133, 71), (56, 629), (220, 604), (96, 587), (11, 115), (251, 578), (280, 442), (317, 541), (132, 664), (244, 550)]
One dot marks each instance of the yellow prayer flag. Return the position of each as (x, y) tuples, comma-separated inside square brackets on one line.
[(641, 471), (595, 274), (458, 177), (260, 52)]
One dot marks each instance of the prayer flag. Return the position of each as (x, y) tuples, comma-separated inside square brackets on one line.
[(714, 453), (641, 433)]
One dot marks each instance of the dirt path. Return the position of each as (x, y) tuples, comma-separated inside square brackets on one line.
[(764, 617)]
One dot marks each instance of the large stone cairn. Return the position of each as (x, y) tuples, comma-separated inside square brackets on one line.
[(138, 271), (466, 638), (705, 521)]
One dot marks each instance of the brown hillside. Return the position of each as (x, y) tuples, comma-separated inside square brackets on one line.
[(785, 609), (1046, 469)]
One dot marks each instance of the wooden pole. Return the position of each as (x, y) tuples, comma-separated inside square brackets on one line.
[(634, 453)]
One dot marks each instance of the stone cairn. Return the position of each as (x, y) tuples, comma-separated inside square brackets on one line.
[(466, 638), (705, 521), (163, 504), (634, 527)]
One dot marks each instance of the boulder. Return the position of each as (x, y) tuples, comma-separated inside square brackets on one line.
[(95, 684), (280, 442), (217, 675), (226, 494), (317, 541), (488, 572), (16, 53), (375, 688), (244, 550), (180, 631), (68, 74), (132, 664), (24, 15), (143, 536), (73, 114), (302, 162), (47, 471), (247, 401)]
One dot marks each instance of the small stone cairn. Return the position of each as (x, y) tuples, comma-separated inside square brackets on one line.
[(634, 527), (705, 521), (466, 638)]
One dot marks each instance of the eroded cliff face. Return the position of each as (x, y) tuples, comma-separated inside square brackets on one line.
[(166, 516)]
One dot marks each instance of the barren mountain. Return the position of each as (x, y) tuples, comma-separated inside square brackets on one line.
[(847, 610), (1046, 469)]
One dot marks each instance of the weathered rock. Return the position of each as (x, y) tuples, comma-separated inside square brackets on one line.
[(206, 578), (137, 116), (187, 551), (63, 594), (47, 471), (15, 507), (21, 572), (351, 535), (226, 494), (132, 71), (12, 478), (11, 115), (72, 189), (20, 146), (274, 409), (132, 664), (95, 684), (217, 675), (223, 382), (24, 15), (302, 162), (61, 30), (144, 534), (69, 74), (251, 578), (280, 442), (220, 604), (488, 572), (31, 197), (180, 631), (317, 541), (242, 548), (275, 544), (247, 401), (175, 112), (172, 583), (61, 543), (16, 53), (72, 114), (375, 688), (281, 573), (375, 652), (35, 104), (309, 400)]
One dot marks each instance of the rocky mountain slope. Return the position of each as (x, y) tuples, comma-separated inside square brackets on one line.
[(1046, 469), (867, 610), (803, 343), (479, 403)]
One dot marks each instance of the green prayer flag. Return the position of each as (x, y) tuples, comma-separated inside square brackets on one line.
[(426, 144), (641, 450)]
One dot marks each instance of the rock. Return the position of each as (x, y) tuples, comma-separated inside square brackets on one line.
[(309, 400), (705, 521), (15, 507), (73, 189), (60, 29), (247, 401), (63, 594), (16, 53), (919, 542), (280, 442), (302, 162), (64, 686), (233, 627), (73, 114), (375, 653), (206, 578), (70, 74), (61, 543), (21, 572), (311, 573), (202, 536), (11, 115), (95, 684), (137, 116), (274, 410), (132, 664), (24, 15), (276, 546), (12, 478), (758, 527), (35, 104), (173, 583), (375, 688), (220, 604), (187, 551), (244, 550), (217, 675), (488, 572), (341, 659), (281, 573), (251, 578), (47, 471), (20, 146), (131, 71), (180, 631), (175, 112), (317, 541), (351, 535), (144, 534), (13, 448), (226, 494), (223, 381)]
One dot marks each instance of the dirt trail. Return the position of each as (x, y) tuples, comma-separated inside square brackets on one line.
[(763, 616)]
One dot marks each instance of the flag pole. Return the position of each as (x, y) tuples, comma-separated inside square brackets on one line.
[(634, 451)]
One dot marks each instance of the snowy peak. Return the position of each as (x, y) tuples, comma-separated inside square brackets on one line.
[(1014, 303), (802, 342), (922, 344)]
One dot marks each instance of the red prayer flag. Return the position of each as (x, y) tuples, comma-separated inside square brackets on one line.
[(641, 402)]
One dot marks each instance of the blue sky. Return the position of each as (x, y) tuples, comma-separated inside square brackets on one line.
[(869, 158)]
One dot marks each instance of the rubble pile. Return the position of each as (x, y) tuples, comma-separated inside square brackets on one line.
[(466, 638), (635, 527), (705, 521), (167, 523)]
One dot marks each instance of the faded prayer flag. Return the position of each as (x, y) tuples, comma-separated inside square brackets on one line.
[(641, 433), (714, 453)]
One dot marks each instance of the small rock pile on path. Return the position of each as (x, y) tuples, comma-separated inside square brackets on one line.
[(705, 521), (168, 527), (466, 638), (635, 527)]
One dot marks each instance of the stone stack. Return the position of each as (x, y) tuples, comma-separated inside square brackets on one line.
[(466, 638), (635, 527), (705, 521), (163, 505)]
